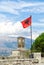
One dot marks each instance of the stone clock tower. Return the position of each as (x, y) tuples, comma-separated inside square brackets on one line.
[(20, 51), (21, 42)]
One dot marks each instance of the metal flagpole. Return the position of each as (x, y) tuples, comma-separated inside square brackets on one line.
[(31, 35)]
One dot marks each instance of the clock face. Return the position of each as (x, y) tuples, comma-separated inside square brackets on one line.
[(19, 40)]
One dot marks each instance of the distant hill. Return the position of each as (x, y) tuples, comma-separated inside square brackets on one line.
[(13, 45)]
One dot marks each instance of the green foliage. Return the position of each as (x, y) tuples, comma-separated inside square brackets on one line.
[(38, 45)]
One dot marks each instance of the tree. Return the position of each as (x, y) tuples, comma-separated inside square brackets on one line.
[(38, 44)]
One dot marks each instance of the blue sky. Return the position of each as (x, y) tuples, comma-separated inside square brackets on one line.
[(13, 11)]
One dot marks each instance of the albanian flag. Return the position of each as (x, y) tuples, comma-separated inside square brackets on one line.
[(26, 22)]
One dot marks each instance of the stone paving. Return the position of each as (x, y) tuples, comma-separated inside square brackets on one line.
[(38, 64), (20, 62)]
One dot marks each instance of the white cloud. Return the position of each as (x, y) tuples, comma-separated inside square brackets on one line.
[(37, 29), (15, 30), (35, 35), (6, 8), (7, 38), (34, 9), (8, 27), (38, 24), (41, 21), (12, 28), (14, 7), (19, 5), (3, 18)]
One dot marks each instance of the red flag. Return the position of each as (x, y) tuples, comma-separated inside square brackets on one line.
[(26, 22)]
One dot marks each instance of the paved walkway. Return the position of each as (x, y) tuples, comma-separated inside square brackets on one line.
[(38, 64)]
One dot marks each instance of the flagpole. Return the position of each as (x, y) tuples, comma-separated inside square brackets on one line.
[(31, 35), (31, 38)]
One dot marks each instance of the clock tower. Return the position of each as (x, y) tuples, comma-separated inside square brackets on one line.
[(21, 42)]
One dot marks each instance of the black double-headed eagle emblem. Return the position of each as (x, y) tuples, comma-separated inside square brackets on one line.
[(27, 21)]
